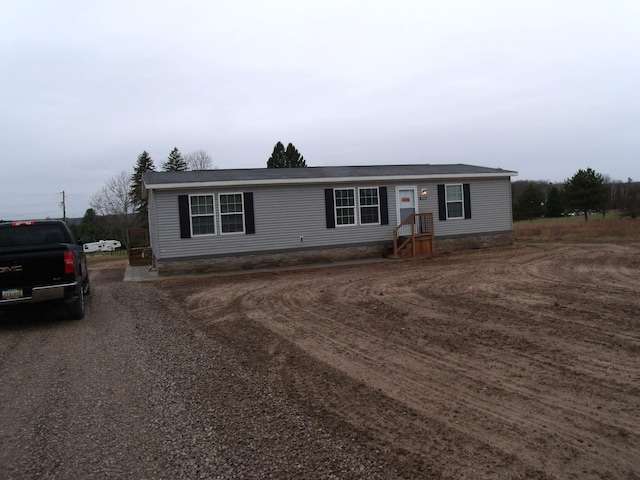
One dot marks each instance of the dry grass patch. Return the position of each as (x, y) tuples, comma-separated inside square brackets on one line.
[(576, 229), (99, 261)]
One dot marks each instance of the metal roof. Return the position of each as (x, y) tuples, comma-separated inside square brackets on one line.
[(307, 175)]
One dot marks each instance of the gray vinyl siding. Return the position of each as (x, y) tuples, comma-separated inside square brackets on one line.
[(490, 208), (283, 214), (153, 220)]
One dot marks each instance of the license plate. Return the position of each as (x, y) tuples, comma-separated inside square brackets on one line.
[(12, 293)]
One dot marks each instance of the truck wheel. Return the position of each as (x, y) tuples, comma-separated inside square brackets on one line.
[(75, 310)]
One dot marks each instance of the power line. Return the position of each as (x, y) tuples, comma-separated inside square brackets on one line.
[(64, 208), (15, 209), (35, 206)]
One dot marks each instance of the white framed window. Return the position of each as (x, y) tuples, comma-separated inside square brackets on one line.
[(369, 202), (231, 213), (202, 215), (345, 203), (454, 201)]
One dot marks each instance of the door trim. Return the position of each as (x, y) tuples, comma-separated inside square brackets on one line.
[(415, 200)]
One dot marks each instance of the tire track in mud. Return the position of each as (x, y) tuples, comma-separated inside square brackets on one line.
[(409, 385), (508, 355)]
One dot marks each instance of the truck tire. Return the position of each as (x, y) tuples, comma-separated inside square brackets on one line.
[(75, 310), (87, 283)]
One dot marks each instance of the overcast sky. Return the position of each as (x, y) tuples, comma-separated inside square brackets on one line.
[(541, 87)]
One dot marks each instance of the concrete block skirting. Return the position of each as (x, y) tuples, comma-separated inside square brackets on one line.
[(316, 257), (468, 242), (268, 260)]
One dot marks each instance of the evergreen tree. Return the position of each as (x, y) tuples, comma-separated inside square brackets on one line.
[(630, 201), (175, 162), (554, 207), (289, 158), (586, 190), (277, 158), (91, 226), (530, 205), (144, 164), (293, 157)]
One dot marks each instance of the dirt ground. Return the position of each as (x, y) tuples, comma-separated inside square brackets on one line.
[(521, 362)]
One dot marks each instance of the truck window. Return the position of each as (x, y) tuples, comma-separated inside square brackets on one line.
[(32, 235), (6, 241)]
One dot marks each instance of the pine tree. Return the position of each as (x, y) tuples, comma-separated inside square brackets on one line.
[(293, 157), (586, 190), (289, 158), (91, 226), (144, 164), (554, 207), (277, 158), (175, 162), (530, 205)]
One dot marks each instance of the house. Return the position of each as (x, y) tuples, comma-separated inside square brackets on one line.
[(248, 218)]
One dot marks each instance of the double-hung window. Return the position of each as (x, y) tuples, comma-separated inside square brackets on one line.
[(363, 209), (369, 205), (358, 206), (455, 203), (202, 215), (231, 213), (345, 199)]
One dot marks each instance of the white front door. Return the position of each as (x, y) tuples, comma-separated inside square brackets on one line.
[(406, 202)]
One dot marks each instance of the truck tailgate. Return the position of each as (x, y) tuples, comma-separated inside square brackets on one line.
[(32, 266)]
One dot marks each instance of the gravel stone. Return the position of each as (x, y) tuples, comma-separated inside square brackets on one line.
[(134, 391)]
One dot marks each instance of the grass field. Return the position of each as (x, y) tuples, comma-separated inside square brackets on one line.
[(612, 228), (95, 259)]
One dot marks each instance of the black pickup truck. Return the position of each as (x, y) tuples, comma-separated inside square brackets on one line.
[(41, 262)]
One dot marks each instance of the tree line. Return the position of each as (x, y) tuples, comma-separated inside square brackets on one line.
[(583, 194), (119, 205)]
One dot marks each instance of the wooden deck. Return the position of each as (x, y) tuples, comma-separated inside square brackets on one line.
[(414, 236)]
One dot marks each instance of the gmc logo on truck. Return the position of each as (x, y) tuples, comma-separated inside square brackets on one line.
[(12, 269)]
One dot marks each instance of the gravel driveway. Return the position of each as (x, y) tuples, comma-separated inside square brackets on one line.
[(134, 391)]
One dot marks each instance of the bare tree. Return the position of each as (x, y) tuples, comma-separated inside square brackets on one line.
[(113, 201), (198, 160)]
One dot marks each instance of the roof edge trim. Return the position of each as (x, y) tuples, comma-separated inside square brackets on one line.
[(309, 181)]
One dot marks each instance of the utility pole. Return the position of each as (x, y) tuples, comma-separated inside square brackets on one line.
[(64, 208)]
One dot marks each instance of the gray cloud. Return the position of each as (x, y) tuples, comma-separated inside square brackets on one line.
[(543, 88)]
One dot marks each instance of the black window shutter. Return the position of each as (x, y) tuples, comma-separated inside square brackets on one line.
[(329, 208), (384, 207), (249, 218), (442, 204), (467, 200), (185, 220)]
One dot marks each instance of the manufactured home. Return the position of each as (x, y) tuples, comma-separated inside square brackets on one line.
[(202, 221)]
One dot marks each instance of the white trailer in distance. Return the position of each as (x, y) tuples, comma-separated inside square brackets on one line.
[(101, 246)]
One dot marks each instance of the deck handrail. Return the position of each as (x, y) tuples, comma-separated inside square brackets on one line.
[(420, 223)]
